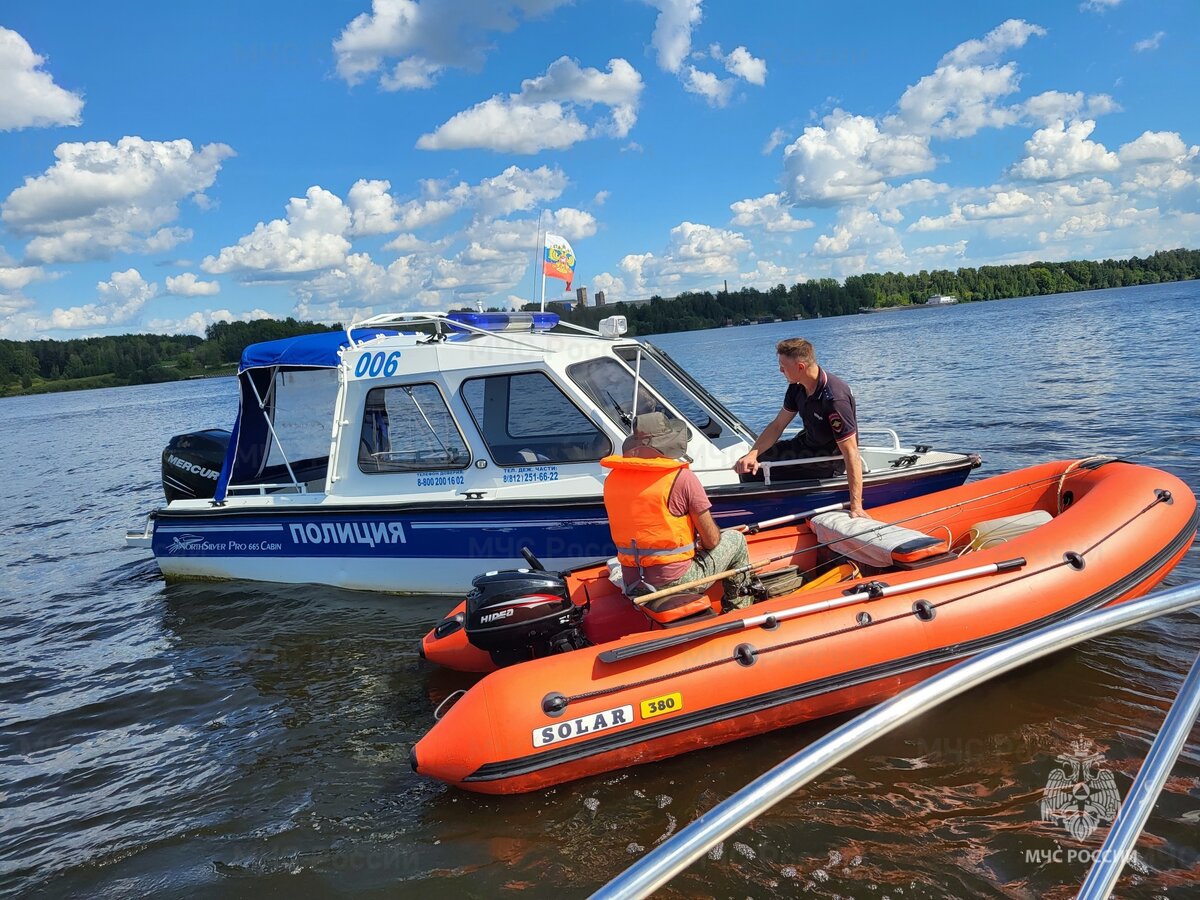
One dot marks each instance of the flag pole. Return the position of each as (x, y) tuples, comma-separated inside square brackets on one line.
[(542, 260), (536, 242)]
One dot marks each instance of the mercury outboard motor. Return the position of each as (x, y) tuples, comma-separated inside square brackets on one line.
[(520, 615), (191, 464)]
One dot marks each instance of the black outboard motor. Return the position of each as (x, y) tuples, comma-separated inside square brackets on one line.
[(520, 615), (191, 464)]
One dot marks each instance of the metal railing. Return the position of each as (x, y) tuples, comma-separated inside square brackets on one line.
[(660, 865)]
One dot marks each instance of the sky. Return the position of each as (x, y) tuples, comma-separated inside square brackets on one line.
[(164, 166)]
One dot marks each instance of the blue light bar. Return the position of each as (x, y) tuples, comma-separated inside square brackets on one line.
[(506, 321)]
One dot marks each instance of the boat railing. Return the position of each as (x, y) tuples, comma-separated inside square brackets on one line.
[(281, 487), (670, 858)]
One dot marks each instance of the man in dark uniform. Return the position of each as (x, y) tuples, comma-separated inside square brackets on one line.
[(826, 407)]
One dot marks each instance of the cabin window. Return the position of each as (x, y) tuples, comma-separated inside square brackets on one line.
[(299, 403), (525, 419), (672, 391), (408, 428), (610, 386)]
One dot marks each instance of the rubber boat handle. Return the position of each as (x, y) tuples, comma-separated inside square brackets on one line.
[(629, 651)]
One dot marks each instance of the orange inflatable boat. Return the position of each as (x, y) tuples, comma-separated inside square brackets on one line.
[(583, 680)]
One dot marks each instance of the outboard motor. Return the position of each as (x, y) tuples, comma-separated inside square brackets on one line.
[(521, 615), (191, 464)]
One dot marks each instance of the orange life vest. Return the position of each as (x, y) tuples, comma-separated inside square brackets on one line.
[(643, 527)]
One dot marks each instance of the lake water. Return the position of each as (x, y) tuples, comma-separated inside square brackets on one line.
[(244, 739)]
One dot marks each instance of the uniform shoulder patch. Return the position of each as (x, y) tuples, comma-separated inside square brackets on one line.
[(836, 423)]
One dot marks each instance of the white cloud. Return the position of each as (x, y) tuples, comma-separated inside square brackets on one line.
[(372, 209), (778, 136), (187, 285), (1061, 151), (601, 198), (543, 116), (426, 37), (768, 212), (14, 278), (1158, 162), (197, 322), (961, 96), (516, 189), (29, 98), (505, 126), (1098, 6), (1002, 204), (672, 38), (919, 190), (696, 257), (957, 250), (716, 91), (1050, 106), (120, 300), (310, 238), (1009, 35), (1150, 43), (573, 224), (613, 287), (859, 232), (99, 199), (848, 158), (767, 275), (747, 67)]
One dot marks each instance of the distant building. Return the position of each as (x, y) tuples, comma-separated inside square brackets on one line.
[(941, 300), (581, 296), (599, 298)]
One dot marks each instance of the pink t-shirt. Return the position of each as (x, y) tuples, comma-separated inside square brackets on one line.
[(687, 497)]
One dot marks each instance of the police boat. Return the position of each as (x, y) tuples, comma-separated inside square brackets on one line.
[(407, 451)]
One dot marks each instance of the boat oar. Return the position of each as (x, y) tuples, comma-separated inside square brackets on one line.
[(756, 527), (871, 591)]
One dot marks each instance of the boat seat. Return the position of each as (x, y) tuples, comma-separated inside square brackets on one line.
[(875, 543), (675, 609)]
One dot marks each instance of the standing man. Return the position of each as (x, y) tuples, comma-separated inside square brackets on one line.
[(658, 511), (826, 407)]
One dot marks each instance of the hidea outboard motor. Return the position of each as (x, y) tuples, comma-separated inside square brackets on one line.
[(191, 464), (520, 615)]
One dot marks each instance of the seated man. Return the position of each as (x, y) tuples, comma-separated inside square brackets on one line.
[(826, 406), (658, 510)]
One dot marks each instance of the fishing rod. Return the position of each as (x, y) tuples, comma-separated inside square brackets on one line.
[(873, 590)]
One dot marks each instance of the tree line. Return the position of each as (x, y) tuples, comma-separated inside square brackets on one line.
[(43, 365), (827, 297), (124, 359)]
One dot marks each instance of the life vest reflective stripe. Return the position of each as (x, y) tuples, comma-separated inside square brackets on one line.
[(636, 495)]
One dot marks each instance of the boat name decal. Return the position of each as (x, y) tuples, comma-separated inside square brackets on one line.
[(192, 467), (370, 533), (192, 544), (373, 365), (589, 724), (660, 706)]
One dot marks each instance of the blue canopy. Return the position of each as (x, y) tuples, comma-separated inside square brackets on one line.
[(315, 350), (249, 445)]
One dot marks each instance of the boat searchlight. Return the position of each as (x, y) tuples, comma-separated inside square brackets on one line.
[(613, 327)]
